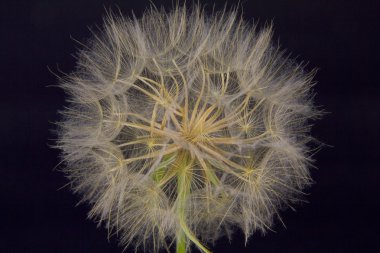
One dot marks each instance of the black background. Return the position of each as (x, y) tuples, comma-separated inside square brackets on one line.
[(339, 38)]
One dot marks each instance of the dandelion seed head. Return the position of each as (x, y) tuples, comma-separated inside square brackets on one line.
[(185, 126)]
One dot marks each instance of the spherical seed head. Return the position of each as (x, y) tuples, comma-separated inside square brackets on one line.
[(182, 126)]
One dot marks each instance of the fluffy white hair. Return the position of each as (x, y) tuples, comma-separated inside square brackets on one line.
[(182, 126)]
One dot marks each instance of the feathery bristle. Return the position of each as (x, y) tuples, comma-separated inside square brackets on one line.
[(182, 126)]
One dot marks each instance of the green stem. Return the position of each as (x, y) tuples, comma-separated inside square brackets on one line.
[(183, 191), (181, 243)]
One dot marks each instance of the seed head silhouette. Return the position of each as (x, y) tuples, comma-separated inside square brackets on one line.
[(181, 127)]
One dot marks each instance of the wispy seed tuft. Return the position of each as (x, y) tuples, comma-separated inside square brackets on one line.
[(182, 126)]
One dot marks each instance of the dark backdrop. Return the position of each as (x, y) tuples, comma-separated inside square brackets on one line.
[(338, 37)]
